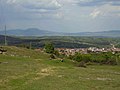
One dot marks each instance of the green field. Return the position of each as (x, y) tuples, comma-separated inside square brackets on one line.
[(23, 69)]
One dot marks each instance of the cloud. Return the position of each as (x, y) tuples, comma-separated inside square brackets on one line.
[(37, 8), (41, 4), (68, 1), (95, 13), (106, 11), (90, 2), (98, 2), (71, 15), (37, 4)]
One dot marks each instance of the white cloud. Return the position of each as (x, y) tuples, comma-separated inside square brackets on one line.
[(37, 4), (37, 8), (105, 10), (95, 13)]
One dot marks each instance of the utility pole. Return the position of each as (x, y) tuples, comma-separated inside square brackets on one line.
[(5, 36)]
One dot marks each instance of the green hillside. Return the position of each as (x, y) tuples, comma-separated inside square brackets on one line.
[(61, 41), (24, 69)]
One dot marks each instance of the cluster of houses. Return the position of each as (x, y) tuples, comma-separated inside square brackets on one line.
[(73, 51), (68, 51)]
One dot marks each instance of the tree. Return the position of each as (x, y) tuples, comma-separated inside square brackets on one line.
[(49, 48)]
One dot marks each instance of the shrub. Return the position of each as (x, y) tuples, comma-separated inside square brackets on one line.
[(77, 57), (49, 48), (101, 58)]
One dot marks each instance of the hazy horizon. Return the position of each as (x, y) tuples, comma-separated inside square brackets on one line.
[(61, 15), (24, 29)]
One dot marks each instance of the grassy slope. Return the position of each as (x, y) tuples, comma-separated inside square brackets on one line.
[(23, 69)]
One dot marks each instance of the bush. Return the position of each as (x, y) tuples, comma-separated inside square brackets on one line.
[(101, 58), (77, 57), (81, 57), (49, 48)]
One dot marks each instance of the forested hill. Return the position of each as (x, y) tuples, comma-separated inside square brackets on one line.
[(61, 41), (10, 40)]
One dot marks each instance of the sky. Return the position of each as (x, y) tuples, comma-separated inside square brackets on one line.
[(61, 15)]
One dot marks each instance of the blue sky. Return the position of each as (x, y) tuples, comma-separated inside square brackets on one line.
[(61, 15)]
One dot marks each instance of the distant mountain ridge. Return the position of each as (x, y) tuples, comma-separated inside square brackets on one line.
[(28, 32), (38, 32)]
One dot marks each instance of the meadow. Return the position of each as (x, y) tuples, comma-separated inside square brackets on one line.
[(24, 69)]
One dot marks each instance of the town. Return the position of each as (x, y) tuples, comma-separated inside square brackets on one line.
[(68, 51)]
